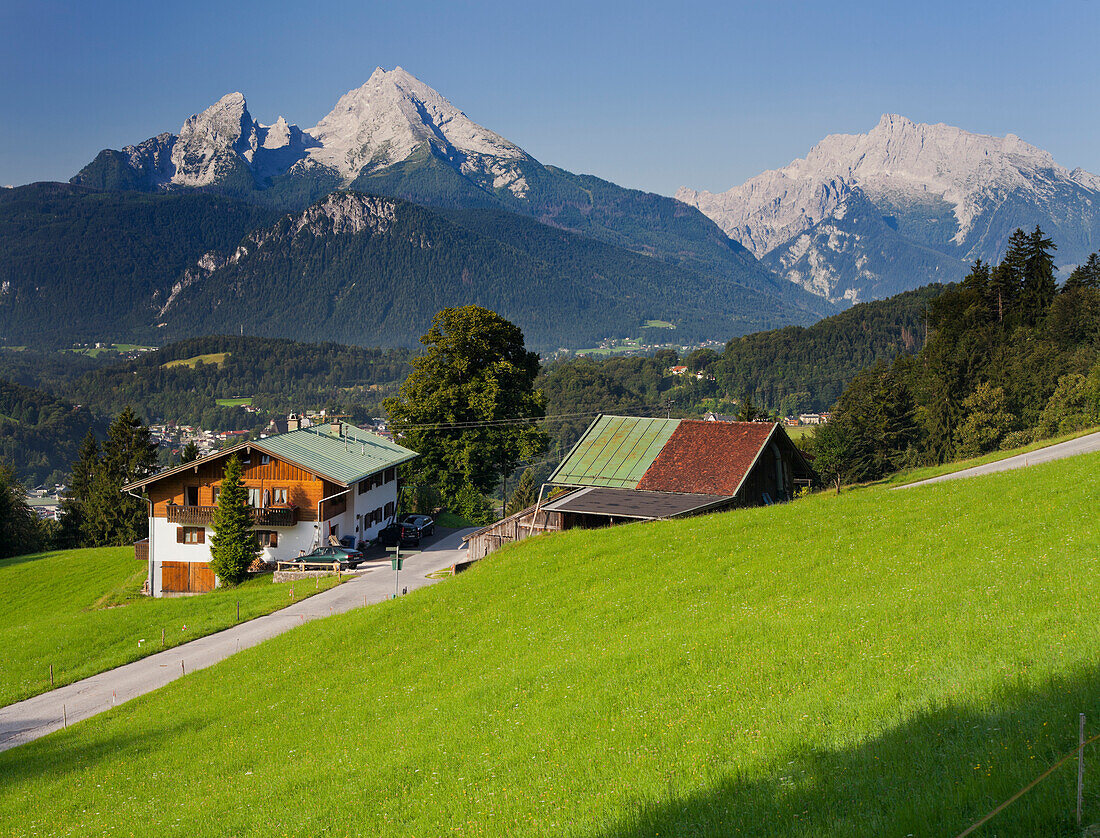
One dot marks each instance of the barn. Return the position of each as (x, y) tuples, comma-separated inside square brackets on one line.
[(629, 468)]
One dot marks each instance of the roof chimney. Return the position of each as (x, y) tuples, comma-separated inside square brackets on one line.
[(336, 423), (293, 422)]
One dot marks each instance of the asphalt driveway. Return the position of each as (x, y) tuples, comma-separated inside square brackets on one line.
[(42, 714), (1070, 448)]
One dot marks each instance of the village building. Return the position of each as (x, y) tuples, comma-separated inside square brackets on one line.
[(628, 468), (304, 486)]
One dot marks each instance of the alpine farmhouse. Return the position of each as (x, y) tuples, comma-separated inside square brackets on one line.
[(304, 486)]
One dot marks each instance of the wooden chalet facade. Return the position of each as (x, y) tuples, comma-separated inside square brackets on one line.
[(303, 487)]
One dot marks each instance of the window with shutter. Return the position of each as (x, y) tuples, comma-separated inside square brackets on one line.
[(191, 535)]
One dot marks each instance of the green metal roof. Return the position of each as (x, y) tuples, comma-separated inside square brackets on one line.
[(614, 452), (342, 459)]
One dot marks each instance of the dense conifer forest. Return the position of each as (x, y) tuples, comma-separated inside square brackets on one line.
[(1010, 358)]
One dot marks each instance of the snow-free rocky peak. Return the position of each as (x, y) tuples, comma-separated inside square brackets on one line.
[(374, 126), (935, 185), (394, 113), (898, 160)]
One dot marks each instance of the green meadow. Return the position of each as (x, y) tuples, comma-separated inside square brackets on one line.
[(217, 358), (873, 663), (82, 611), (238, 402)]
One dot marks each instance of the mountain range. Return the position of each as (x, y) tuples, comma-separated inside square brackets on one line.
[(863, 216), (234, 225)]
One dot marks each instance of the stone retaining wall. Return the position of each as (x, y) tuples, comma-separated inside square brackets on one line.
[(292, 575)]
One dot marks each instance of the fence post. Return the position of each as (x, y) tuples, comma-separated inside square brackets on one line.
[(1080, 766)]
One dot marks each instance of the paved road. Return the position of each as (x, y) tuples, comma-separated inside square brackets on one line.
[(45, 713), (1081, 445)]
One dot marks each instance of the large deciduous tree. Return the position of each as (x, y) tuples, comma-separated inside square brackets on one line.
[(469, 406), (233, 546)]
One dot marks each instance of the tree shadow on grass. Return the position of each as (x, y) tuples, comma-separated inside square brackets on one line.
[(936, 774), (12, 561), (76, 751)]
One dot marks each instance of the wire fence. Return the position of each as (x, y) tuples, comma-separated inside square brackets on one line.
[(1077, 753)]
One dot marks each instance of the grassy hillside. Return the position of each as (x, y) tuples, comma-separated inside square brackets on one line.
[(81, 611), (878, 663)]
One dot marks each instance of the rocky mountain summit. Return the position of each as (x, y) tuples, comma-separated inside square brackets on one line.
[(375, 126), (396, 136), (866, 215)]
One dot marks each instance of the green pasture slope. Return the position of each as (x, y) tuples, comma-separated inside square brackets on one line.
[(878, 663), (81, 610)]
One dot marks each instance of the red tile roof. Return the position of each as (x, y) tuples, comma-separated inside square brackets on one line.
[(706, 457)]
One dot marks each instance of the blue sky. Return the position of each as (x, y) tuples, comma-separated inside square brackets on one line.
[(649, 95)]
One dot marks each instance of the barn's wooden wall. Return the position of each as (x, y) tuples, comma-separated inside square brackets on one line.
[(509, 530)]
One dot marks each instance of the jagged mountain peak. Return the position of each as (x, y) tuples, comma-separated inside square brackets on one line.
[(383, 121), (935, 185), (898, 160)]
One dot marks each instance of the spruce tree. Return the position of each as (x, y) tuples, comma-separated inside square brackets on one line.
[(233, 546), (110, 516), (72, 522), (526, 493), (190, 453), (1086, 275), (1039, 286)]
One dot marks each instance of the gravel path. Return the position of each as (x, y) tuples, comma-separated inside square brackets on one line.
[(42, 714)]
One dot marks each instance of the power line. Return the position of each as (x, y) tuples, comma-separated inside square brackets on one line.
[(498, 423)]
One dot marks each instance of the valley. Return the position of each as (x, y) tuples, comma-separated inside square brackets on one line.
[(697, 436)]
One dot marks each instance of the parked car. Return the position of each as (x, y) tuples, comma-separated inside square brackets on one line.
[(417, 526), (390, 534), (346, 556)]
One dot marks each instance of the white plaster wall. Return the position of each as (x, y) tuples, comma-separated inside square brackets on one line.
[(292, 540), (366, 503), (166, 549)]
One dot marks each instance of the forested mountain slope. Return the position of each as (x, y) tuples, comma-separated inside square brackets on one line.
[(40, 434), (373, 271), (78, 265)]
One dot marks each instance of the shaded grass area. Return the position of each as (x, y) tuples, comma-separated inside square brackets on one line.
[(83, 612), (878, 663), (452, 521)]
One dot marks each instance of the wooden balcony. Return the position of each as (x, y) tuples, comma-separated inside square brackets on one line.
[(203, 516)]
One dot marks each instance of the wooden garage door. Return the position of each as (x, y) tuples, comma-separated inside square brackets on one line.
[(186, 577)]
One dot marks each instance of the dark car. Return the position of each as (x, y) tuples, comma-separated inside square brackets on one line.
[(346, 556), (390, 534), (407, 532), (415, 527)]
